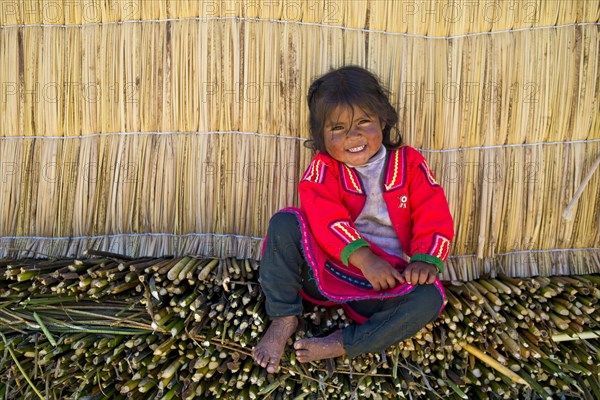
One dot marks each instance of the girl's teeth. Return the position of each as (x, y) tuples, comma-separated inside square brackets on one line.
[(356, 149)]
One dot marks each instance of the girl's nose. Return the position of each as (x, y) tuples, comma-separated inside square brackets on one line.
[(353, 131)]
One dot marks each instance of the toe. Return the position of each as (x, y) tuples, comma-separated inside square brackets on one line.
[(260, 359), (273, 365), (301, 355), (271, 369)]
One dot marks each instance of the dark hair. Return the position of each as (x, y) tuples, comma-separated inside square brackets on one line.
[(349, 86)]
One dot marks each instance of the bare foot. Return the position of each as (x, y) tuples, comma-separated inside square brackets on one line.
[(314, 349), (268, 351)]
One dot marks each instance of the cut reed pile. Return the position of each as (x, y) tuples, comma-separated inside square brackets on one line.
[(114, 327)]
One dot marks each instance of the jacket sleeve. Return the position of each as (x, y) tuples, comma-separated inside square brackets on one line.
[(328, 218), (432, 225)]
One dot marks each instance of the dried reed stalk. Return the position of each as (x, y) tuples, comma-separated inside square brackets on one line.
[(383, 15)]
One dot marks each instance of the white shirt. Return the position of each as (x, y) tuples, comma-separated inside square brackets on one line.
[(374, 222)]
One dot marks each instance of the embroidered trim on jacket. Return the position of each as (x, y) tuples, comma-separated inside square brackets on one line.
[(346, 277), (315, 172), (440, 247), (350, 180), (395, 174), (428, 173), (344, 231)]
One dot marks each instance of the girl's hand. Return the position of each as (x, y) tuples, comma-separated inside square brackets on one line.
[(420, 273), (380, 274)]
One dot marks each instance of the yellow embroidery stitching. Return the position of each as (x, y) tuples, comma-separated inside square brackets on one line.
[(313, 172), (441, 250), (356, 187), (395, 172), (317, 170), (343, 228), (429, 173)]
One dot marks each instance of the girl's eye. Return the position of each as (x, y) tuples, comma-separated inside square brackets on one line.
[(337, 128), (364, 121)]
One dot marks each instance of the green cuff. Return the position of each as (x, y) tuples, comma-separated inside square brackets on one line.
[(428, 258), (350, 247)]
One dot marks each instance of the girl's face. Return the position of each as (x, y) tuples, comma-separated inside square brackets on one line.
[(352, 135)]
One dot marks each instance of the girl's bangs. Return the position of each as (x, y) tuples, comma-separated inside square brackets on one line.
[(329, 105)]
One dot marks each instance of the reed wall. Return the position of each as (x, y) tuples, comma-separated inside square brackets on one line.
[(178, 127)]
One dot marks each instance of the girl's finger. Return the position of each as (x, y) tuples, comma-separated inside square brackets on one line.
[(414, 276), (398, 276), (391, 281), (384, 284), (432, 277), (422, 277)]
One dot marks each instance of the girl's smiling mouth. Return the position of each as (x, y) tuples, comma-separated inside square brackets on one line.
[(357, 149)]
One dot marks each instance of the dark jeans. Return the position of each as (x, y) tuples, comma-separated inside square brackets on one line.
[(284, 271)]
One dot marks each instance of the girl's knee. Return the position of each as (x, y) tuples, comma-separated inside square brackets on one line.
[(431, 300), (283, 235), (423, 304), (282, 222)]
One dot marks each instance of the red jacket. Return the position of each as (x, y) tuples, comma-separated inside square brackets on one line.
[(332, 197)]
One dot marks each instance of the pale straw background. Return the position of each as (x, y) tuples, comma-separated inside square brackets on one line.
[(153, 128)]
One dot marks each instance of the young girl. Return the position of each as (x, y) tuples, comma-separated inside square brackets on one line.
[(372, 232)]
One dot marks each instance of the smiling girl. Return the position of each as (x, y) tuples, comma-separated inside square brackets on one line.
[(372, 232)]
